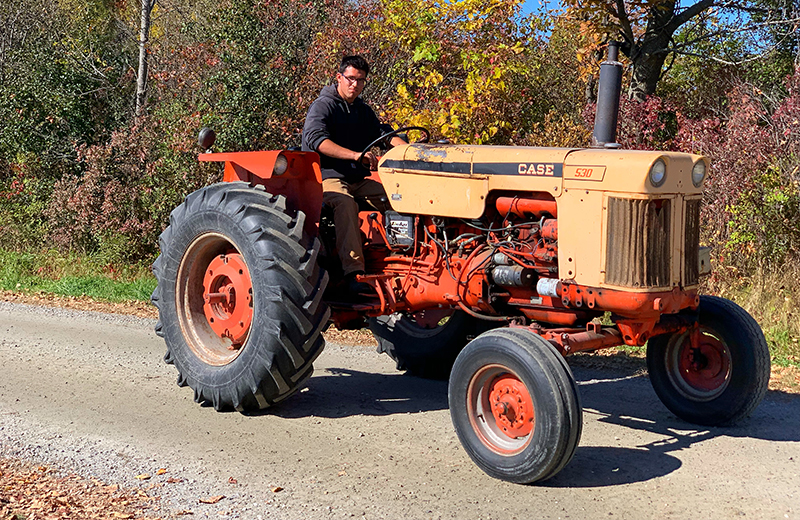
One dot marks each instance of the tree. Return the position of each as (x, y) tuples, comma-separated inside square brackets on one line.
[(141, 78), (648, 30)]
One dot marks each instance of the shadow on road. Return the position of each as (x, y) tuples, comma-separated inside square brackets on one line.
[(600, 466), (616, 397), (341, 392), (629, 401)]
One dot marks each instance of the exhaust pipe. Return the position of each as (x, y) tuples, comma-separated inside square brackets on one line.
[(608, 91)]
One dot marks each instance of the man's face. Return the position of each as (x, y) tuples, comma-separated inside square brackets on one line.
[(351, 83)]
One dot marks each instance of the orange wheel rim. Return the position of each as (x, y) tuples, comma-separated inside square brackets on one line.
[(228, 297), (501, 410), (214, 299)]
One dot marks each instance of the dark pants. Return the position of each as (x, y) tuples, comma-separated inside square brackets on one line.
[(340, 196)]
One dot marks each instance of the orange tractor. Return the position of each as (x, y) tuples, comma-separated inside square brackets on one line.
[(494, 263)]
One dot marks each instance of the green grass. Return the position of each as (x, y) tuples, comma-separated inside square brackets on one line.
[(772, 298), (74, 275)]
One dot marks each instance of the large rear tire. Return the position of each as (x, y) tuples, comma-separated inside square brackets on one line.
[(239, 297), (515, 406), (427, 342), (722, 376)]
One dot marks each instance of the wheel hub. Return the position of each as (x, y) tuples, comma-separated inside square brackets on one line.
[(228, 298), (704, 363), (512, 406)]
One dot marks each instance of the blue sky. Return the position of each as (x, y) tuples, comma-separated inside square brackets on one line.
[(529, 6)]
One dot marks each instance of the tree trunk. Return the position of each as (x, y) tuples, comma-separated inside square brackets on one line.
[(141, 79), (648, 61), (649, 54)]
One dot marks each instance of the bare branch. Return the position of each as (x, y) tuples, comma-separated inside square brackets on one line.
[(747, 28), (688, 14)]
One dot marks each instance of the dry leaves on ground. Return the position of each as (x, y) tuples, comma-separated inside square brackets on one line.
[(39, 493)]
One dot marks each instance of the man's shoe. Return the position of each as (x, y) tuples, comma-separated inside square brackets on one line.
[(353, 286)]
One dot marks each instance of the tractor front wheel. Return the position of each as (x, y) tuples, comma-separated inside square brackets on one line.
[(715, 374), (239, 297), (515, 405)]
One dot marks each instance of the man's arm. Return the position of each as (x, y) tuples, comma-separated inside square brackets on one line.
[(315, 129), (331, 149)]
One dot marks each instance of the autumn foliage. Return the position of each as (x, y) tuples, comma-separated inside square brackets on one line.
[(79, 173)]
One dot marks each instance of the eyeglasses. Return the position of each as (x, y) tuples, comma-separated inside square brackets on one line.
[(353, 79)]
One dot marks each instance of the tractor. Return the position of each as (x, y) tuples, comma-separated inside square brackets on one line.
[(493, 264)]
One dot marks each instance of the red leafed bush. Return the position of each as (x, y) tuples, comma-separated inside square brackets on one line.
[(107, 204), (129, 185), (740, 150)]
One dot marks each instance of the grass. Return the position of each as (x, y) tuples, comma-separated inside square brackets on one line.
[(74, 275), (772, 298)]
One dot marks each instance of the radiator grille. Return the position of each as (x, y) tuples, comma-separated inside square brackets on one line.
[(638, 252), (691, 243)]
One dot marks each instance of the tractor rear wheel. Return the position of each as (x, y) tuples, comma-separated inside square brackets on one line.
[(239, 297), (718, 376), (425, 343), (515, 405)]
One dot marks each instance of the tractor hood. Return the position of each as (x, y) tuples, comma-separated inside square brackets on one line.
[(454, 180)]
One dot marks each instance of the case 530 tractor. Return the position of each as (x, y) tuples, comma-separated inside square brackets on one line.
[(494, 263)]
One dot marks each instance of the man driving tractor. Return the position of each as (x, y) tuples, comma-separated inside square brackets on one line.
[(339, 125)]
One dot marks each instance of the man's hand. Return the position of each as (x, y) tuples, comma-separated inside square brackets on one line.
[(369, 161), (331, 149)]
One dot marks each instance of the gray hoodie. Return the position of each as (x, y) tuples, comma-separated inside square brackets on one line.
[(350, 125)]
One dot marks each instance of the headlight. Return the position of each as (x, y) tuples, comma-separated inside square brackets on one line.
[(281, 165), (698, 173), (658, 173)]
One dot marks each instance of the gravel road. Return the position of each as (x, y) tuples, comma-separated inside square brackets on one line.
[(89, 392)]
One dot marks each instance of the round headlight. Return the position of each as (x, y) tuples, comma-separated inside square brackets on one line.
[(698, 173), (281, 165), (658, 173)]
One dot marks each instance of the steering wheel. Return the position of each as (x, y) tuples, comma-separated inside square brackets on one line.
[(391, 134)]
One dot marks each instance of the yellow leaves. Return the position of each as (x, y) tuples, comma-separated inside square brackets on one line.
[(433, 79), (463, 58), (402, 91)]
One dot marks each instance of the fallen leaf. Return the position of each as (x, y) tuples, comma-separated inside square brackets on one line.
[(212, 500), (232, 480), (184, 512), (277, 489), (143, 476), (122, 515), (342, 473), (172, 480), (161, 471)]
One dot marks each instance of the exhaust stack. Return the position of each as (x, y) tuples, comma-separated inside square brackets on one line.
[(608, 91)]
